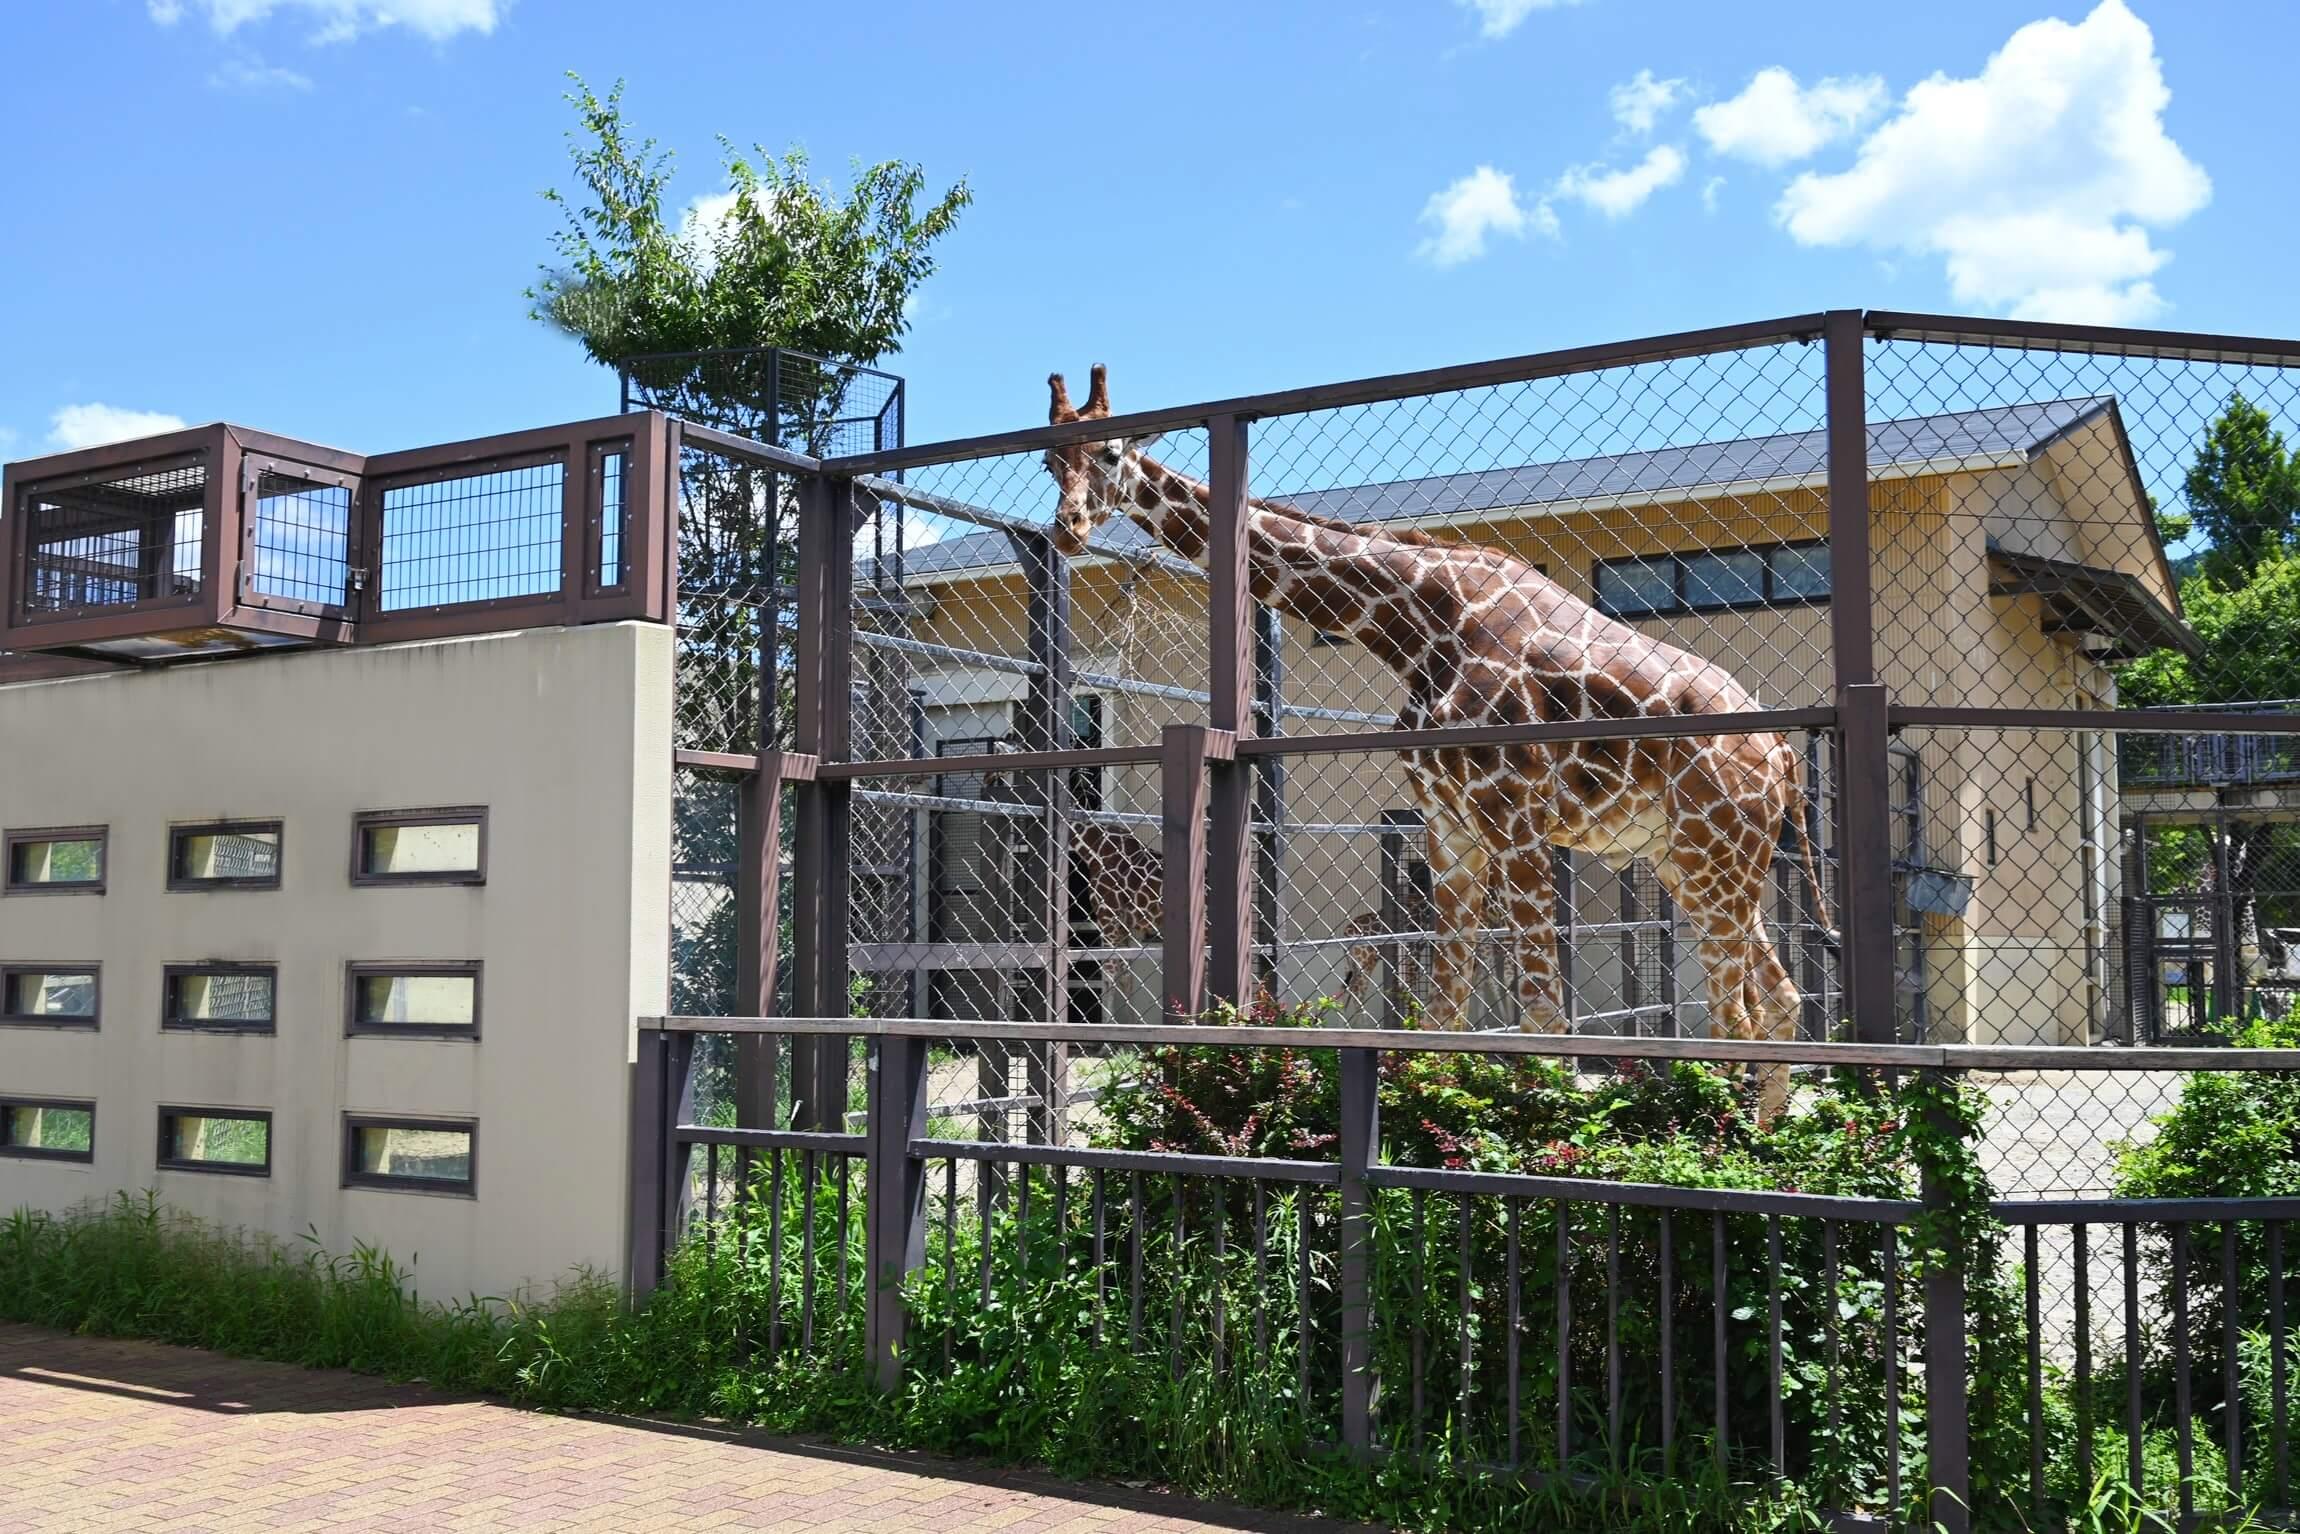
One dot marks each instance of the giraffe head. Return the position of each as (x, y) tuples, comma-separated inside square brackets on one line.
[(1092, 476)]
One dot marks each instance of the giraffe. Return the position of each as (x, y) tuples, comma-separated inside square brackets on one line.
[(1479, 637), (1125, 881)]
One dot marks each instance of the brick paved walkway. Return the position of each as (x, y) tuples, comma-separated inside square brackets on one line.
[(105, 1435)]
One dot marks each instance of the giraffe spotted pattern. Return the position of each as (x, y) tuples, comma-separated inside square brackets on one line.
[(1479, 637)]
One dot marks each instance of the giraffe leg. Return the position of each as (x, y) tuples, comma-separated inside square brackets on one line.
[(1459, 863), (1529, 883)]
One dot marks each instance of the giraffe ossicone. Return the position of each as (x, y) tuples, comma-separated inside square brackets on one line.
[(1479, 637)]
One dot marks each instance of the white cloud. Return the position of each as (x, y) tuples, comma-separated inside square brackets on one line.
[(246, 75), (2035, 182), (1618, 193), (342, 19), (1709, 190), (1499, 18), (1482, 203), (1775, 120), (1639, 102), (88, 425)]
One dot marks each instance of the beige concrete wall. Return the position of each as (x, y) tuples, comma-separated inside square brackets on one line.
[(561, 733)]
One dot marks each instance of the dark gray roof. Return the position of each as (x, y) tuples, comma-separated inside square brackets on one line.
[(1974, 436)]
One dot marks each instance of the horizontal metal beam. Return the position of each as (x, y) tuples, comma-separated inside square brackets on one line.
[(2141, 1211), (795, 766), (1362, 391), (2035, 335), (773, 1139), (1816, 1206), (1949, 1057), (1152, 1163), (1656, 727), (735, 445), (991, 761), (2124, 721)]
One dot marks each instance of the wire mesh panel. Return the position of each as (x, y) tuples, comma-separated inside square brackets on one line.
[(473, 537), (302, 539), (788, 399), (1680, 499), (1397, 904), (2058, 500), (738, 605), (130, 536)]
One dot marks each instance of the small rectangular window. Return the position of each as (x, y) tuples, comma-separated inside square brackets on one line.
[(1637, 588), (420, 847), (1734, 578), (435, 1155), (238, 855), (1800, 572), (64, 862), (220, 998), (434, 1000), (47, 1128), (58, 995), (216, 1140)]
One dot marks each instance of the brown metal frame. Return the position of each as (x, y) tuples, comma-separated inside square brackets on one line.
[(352, 1177), (172, 1022), (10, 841), (9, 1147), (162, 1161), (452, 815), (356, 970), (229, 599), (182, 883), (11, 1019)]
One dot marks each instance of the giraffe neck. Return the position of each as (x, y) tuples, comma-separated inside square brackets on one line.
[(1337, 578)]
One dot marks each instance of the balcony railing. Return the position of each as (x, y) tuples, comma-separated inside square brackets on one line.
[(2213, 761)]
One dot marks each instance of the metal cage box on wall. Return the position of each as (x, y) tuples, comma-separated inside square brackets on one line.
[(219, 540)]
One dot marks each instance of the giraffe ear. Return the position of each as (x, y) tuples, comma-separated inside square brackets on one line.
[(1142, 444)]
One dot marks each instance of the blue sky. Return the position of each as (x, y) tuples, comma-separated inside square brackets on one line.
[(317, 216)]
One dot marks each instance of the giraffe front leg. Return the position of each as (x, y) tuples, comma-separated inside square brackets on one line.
[(1458, 867), (1528, 881)]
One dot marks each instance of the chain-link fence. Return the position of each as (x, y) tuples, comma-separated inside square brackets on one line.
[(1878, 679)]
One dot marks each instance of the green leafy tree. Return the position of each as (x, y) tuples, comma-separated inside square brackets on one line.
[(776, 260), (780, 260), (2243, 492)]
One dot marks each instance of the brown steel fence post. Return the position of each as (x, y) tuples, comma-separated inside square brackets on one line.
[(837, 701), (1230, 782), (662, 1095), (1864, 840), (1183, 750), (1361, 1139), (1948, 1441), (1046, 725), (895, 1232), (822, 717)]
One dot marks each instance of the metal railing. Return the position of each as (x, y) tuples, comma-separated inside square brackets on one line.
[(1982, 492), (1545, 1324)]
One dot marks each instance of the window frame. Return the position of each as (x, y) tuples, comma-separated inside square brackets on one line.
[(182, 883), (171, 973), (44, 1152), (368, 820), (10, 970), (1681, 606), (164, 1162), (10, 841), (353, 1177), (357, 969)]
